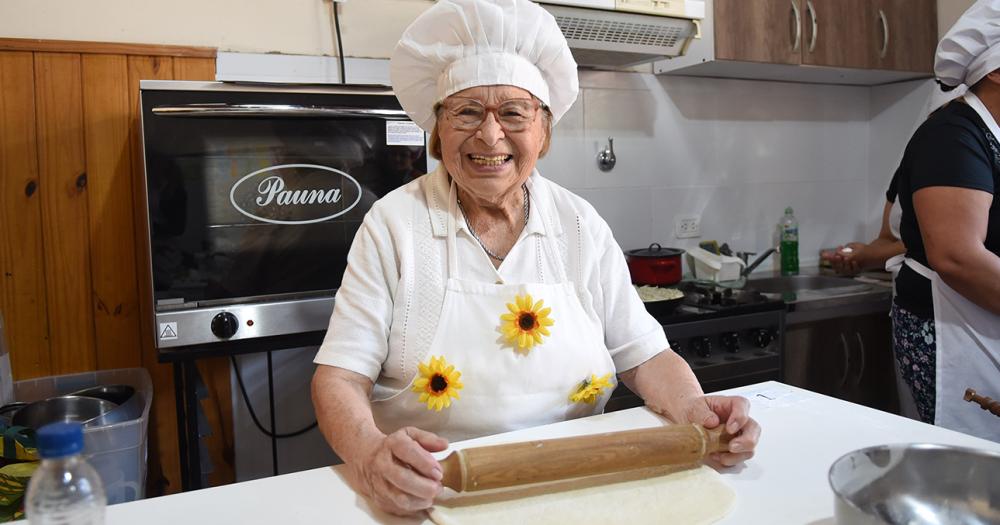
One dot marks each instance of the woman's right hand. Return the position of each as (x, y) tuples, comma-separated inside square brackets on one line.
[(847, 260), (399, 472)]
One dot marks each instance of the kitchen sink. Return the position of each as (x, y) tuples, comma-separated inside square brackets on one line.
[(812, 283)]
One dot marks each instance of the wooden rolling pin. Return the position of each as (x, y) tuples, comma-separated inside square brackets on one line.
[(984, 402), (500, 466)]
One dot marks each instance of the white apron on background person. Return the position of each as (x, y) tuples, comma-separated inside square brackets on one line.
[(967, 339), (504, 388), (967, 355)]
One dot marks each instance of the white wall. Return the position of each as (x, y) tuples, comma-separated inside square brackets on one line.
[(733, 152), (948, 13), (298, 27)]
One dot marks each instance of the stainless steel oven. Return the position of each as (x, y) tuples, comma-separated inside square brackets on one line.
[(254, 195)]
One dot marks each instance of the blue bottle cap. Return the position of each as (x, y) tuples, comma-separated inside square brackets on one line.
[(57, 440)]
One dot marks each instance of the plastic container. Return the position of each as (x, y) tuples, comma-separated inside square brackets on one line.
[(65, 490), (708, 266), (788, 228), (118, 451)]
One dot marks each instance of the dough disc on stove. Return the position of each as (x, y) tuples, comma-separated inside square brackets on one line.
[(695, 496)]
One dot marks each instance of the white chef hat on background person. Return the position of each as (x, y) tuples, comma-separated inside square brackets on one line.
[(459, 44), (970, 50)]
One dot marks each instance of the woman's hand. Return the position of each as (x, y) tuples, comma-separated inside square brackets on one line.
[(733, 411), (399, 472), (849, 259)]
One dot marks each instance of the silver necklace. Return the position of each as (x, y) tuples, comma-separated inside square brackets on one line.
[(527, 208)]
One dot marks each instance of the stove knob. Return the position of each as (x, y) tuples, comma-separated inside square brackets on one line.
[(224, 325), (762, 338), (701, 346), (731, 342)]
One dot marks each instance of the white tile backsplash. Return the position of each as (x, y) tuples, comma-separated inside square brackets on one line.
[(735, 152)]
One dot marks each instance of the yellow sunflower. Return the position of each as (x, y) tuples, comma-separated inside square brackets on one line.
[(590, 389), (526, 323), (437, 384)]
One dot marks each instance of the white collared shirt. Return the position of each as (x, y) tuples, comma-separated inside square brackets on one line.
[(387, 307)]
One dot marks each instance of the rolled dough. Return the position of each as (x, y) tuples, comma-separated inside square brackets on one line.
[(694, 496)]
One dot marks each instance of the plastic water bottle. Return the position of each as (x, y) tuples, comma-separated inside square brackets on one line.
[(65, 490), (789, 247)]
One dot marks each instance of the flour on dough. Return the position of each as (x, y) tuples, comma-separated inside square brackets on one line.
[(695, 496)]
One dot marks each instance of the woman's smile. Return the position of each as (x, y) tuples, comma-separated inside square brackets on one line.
[(491, 163)]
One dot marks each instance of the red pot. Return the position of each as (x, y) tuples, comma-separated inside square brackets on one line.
[(655, 266)]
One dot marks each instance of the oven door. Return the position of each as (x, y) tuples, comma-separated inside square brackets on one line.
[(255, 196)]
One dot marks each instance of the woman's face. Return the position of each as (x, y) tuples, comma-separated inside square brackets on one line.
[(489, 162)]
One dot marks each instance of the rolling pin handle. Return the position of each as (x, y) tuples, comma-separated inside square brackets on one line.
[(717, 439), (453, 471)]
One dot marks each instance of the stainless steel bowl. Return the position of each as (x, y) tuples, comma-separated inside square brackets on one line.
[(89, 411), (916, 484), (117, 394)]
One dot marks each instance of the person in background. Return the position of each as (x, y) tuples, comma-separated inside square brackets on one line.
[(856, 257), (483, 298), (946, 312)]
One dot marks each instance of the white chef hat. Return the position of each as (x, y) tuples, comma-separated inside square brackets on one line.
[(459, 44), (970, 50)]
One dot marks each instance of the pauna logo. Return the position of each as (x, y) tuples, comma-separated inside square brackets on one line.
[(295, 194)]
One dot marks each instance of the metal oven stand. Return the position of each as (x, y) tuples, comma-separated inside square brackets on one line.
[(186, 379)]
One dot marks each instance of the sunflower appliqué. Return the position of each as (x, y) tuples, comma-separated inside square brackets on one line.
[(437, 384), (590, 389), (526, 322)]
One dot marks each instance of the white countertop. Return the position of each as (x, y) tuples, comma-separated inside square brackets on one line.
[(803, 433)]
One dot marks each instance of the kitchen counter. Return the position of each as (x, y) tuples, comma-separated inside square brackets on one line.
[(861, 296), (803, 433)]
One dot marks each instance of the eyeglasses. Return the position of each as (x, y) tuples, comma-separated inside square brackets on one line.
[(468, 114)]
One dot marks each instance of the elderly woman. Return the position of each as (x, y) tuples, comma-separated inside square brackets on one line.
[(946, 314), (483, 298)]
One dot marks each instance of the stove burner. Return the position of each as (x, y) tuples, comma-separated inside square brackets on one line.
[(717, 297)]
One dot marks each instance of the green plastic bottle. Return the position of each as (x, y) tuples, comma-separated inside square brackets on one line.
[(789, 247)]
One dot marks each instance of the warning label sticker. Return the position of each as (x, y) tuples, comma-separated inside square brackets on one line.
[(403, 133), (168, 331)]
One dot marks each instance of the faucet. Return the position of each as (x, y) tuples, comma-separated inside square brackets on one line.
[(751, 266)]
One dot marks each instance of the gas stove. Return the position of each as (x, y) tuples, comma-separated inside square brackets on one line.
[(729, 337)]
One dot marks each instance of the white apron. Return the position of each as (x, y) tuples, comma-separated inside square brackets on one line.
[(967, 355), (967, 339), (504, 388)]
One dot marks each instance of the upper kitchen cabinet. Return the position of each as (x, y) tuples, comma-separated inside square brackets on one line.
[(905, 33), (815, 32), (859, 42), (758, 31)]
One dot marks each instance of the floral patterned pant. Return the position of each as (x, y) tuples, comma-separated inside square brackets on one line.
[(913, 344)]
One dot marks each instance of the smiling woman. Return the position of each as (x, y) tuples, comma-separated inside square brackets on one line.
[(487, 271)]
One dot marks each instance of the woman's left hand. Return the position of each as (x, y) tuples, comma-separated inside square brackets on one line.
[(734, 412)]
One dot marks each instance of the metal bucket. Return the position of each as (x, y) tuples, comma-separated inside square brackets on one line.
[(916, 484), (89, 411)]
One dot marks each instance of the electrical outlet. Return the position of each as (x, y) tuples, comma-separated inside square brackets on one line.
[(687, 227)]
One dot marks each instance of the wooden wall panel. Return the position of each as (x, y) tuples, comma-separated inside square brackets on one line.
[(75, 267), (63, 187), (164, 472), (22, 268), (109, 185)]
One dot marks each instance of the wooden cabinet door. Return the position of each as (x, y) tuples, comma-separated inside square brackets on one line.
[(905, 34), (837, 33), (767, 31)]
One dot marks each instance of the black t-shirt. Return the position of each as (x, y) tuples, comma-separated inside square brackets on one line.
[(890, 194), (951, 148)]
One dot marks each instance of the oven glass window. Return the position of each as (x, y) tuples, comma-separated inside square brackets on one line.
[(258, 207)]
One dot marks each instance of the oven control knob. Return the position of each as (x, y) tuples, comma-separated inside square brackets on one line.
[(701, 346), (731, 342), (762, 338), (224, 325)]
